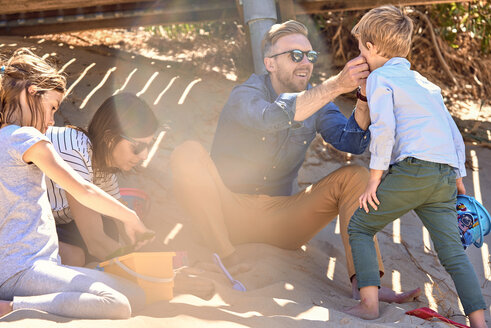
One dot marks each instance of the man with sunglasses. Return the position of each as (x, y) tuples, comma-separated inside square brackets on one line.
[(260, 143), (269, 121)]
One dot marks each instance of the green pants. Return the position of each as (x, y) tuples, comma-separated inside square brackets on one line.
[(430, 190)]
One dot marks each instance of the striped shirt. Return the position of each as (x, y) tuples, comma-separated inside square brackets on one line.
[(75, 148)]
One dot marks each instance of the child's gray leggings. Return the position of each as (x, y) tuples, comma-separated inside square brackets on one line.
[(72, 292)]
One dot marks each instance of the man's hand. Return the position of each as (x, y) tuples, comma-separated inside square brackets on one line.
[(353, 75), (460, 187)]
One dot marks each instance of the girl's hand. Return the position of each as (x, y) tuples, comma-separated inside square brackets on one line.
[(144, 239), (460, 187), (370, 195), (135, 229)]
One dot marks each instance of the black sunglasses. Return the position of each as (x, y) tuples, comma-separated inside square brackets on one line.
[(297, 55), (138, 146)]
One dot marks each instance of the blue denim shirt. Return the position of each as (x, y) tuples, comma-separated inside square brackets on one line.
[(258, 147)]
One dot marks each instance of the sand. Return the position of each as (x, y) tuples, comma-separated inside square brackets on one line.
[(303, 288)]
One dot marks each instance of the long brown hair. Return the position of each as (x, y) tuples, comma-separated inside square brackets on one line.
[(21, 71), (122, 114)]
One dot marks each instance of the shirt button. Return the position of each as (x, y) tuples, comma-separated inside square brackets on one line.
[(364, 137), (265, 178), (263, 138), (290, 122), (305, 142)]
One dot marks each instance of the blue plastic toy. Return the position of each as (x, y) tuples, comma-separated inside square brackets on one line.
[(473, 219)]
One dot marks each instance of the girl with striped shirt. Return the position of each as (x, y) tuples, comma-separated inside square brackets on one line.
[(118, 138)]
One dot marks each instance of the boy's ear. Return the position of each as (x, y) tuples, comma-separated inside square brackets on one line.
[(369, 45), (372, 48)]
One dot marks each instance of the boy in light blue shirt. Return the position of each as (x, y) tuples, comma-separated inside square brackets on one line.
[(416, 139)]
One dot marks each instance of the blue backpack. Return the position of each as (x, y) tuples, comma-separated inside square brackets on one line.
[(473, 220)]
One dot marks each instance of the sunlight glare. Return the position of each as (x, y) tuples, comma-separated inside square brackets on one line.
[(485, 255), (79, 78), (150, 80), (396, 281), (330, 268), (426, 240), (173, 233), (475, 176), (249, 314), (429, 296), (97, 87), (125, 82), (289, 286), (282, 302), (165, 90), (461, 308), (154, 149), (66, 65), (186, 91), (478, 197), (396, 226), (314, 313)]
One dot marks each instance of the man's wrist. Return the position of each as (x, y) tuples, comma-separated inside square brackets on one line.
[(334, 86)]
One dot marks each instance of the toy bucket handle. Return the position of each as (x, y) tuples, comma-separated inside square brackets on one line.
[(141, 276), (477, 243)]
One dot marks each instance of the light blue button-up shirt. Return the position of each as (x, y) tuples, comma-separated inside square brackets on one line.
[(409, 119)]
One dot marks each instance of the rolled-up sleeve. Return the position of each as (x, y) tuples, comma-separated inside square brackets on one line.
[(252, 109), (382, 128), (342, 133)]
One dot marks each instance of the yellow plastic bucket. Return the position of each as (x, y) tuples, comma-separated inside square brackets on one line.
[(152, 271)]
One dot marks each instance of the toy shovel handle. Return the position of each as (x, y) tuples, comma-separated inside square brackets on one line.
[(218, 262)]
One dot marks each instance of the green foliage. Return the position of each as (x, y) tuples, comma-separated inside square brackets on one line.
[(190, 30), (473, 18)]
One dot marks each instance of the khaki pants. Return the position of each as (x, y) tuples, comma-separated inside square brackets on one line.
[(225, 219)]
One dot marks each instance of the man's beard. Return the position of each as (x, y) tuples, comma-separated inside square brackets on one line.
[(290, 85)]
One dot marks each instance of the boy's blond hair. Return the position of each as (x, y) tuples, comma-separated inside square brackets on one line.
[(279, 30), (388, 28)]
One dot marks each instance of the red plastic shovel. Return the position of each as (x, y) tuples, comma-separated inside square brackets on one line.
[(428, 314)]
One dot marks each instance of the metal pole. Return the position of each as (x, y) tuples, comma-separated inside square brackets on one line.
[(259, 15)]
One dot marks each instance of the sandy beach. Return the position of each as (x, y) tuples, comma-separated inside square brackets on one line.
[(308, 287)]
